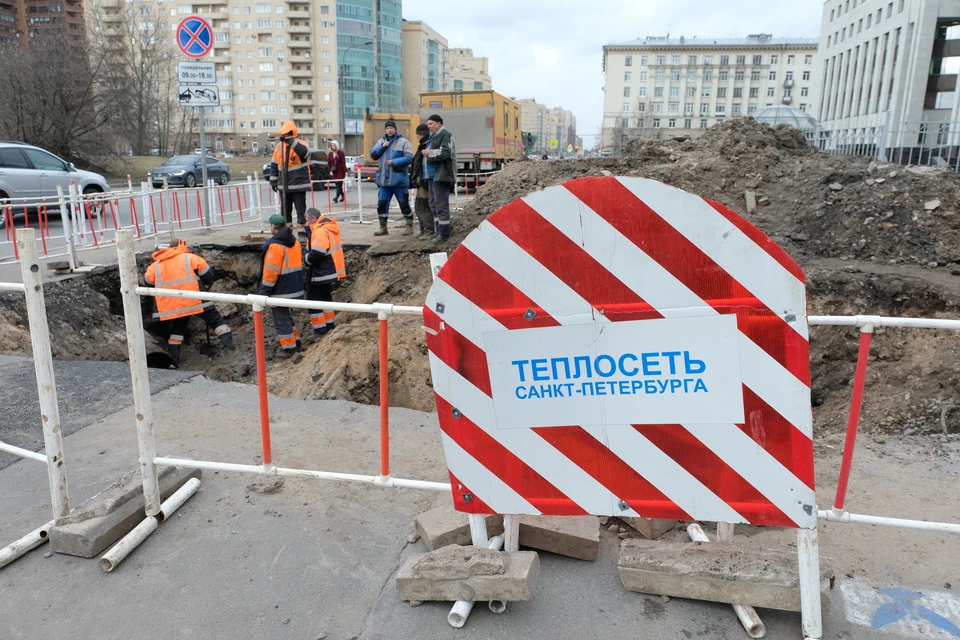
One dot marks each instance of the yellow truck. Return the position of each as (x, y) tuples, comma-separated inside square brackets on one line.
[(485, 127), (407, 124)]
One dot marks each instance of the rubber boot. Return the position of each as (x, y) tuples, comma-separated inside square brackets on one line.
[(175, 354), (408, 227), (382, 231), (226, 339)]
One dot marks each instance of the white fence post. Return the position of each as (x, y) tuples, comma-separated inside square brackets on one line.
[(43, 364), (251, 192), (142, 403), (67, 229), (808, 553)]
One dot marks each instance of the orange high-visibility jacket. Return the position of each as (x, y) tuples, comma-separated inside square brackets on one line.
[(325, 251), (281, 267), (177, 268), (298, 164)]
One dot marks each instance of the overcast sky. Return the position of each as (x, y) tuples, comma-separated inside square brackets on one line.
[(552, 50)]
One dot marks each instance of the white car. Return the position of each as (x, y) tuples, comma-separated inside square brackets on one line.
[(352, 163), (32, 173)]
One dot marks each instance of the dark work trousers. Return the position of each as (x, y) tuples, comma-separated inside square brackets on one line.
[(402, 194), (286, 332), (440, 205), (296, 199), (321, 321), (210, 315), (422, 208)]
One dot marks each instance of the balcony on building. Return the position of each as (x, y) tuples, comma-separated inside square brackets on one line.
[(787, 99), (303, 102), (788, 83), (300, 73), (299, 28), (299, 44)]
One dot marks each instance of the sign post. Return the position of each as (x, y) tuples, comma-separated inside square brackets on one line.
[(195, 39)]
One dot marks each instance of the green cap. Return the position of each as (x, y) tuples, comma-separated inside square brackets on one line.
[(276, 219)]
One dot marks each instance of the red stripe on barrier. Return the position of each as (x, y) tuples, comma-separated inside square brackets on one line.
[(460, 491), (199, 209), (859, 381), (133, 215), (457, 352), (41, 214), (220, 200), (153, 211), (86, 206)]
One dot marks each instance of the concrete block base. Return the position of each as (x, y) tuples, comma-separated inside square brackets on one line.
[(650, 528), (467, 573), (100, 521), (717, 573), (575, 537), (443, 526)]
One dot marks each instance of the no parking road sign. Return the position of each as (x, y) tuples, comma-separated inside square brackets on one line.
[(616, 346), (194, 36)]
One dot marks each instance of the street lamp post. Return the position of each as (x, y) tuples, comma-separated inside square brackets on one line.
[(341, 84)]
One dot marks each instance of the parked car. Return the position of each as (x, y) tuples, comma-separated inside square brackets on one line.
[(186, 171), (318, 169), (352, 162), (30, 172)]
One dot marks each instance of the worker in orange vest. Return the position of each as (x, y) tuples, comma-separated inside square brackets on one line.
[(326, 267), (291, 154), (177, 268), (281, 276)]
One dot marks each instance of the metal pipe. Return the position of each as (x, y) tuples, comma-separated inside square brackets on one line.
[(30, 541), (142, 402), (384, 397), (748, 617), (262, 384), (142, 531), (11, 286), (397, 483), (855, 518), (854, 420), (880, 321), (23, 453), (43, 365), (808, 558), (461, 608)]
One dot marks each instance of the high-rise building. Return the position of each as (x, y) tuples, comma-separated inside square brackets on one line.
[(426, 63), (665, 86), (891, 66), (468, 72), (29, 18), (534, 118)]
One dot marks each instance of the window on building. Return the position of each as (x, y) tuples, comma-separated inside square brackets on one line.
[(326, 54), (326, 97), (791, 58), (691, 76), (628, 61), (643, 61), (705, 92), (703, 123), (658, 107), (674, 107), (771, 91), (658, 92), (704, 107), (708, 60), (674, 92), (708, 76), (675, 60), (721, 109), (741, 59), (642, 92), (738, 76), (626, 107), (758, 59), (754, 92), (675, 76), (722, 92), (691, 92), (672, 123), (641, 106), (755, 76), (643, 76), (688, 107), (324, 10), (869, 20), (789, 76), (661, 59), (266, 52), (900, 6), (478, 86), (626, 92), (804, 92), (751, 108), (723, 76), (692, 60), (624, 123), (724, 61), (806, 75), (326, 68), (828, 41), (627, 75), (661, 76), (803, 107), (774, 59), (656, 123), (737, 92), (687, 123)]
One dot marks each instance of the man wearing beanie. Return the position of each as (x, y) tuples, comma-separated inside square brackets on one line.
[(419, 180), (395, 155), (440, 162)]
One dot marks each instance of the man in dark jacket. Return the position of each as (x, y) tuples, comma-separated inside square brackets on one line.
[(281, 276), (441, 158), (395, 155), (419, 182), (293, 154)]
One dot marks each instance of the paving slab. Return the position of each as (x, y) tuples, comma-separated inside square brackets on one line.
[(650, 528), (443, 526), (467, 573), (574, 536)]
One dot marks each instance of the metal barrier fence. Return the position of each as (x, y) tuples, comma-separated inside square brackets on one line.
[(919, 143), (32, 288), (91, 221)]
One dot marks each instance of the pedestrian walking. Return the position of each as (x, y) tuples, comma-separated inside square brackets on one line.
[(441, 158), (420, 184), (281, 276), (292, 154), (395, 155), (178, 268), (325, 268), (337, 166)]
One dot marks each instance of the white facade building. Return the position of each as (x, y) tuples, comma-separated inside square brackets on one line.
[(667, 86)]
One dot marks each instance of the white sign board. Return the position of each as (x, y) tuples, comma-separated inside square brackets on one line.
[(671, 371), (199, 96), (197, 72)]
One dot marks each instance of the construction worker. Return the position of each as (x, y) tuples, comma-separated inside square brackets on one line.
[(281, 276), (325, 268), (177, 268), (395, 155), (293, 154)]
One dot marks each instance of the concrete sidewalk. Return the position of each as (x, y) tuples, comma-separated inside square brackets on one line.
[(317, 559)]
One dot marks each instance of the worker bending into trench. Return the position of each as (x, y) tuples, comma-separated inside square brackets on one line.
[(281, 276), (177, 268), (325, 268)]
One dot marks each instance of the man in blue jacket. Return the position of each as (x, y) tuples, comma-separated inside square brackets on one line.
[(395, 154)]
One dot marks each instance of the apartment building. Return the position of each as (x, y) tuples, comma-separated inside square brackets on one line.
[(535, 119), (29, 18), (660, 86), (469, 72), (890, 66), (426, 63)]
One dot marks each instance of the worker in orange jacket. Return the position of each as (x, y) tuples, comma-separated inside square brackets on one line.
[(294, 155), (325, 268), (177, 268), (281, 276)]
